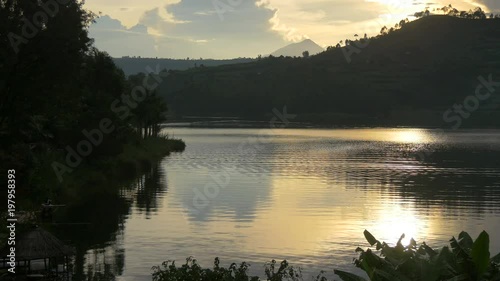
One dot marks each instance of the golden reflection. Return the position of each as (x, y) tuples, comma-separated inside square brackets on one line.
[(416, 136), (295, 226), (396, 219), (411, 136), (303, 218), (288, 223), (313, 213)]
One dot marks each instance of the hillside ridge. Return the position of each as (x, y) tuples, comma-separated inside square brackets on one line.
[(410, 76)]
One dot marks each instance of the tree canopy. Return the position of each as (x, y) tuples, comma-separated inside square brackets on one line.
[(56, 85)]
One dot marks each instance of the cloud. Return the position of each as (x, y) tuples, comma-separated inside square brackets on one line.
[(237, 28), (196, 29), (492, 5), (243, 22), (111, 36), (328, 21), (288, 33), (127, 11)]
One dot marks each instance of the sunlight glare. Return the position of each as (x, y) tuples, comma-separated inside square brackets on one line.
[(412, 136), (396, 220)]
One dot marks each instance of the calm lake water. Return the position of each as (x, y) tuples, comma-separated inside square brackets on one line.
[(305, 195)]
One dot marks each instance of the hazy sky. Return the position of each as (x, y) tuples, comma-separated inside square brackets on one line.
[(243, 28)]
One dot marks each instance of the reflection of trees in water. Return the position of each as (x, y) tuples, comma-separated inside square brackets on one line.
[(99, 274), (105, 263), (150, 187), (101, 263), (97, 234), (455, 177), (96, 224)]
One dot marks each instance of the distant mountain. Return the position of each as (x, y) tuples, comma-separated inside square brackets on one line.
[(134, 65), (296, 49)]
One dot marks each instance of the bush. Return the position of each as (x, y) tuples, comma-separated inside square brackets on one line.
[(191, 270), (467, 260), (464, 260)]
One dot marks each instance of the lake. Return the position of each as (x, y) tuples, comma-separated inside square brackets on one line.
[(305, 195)]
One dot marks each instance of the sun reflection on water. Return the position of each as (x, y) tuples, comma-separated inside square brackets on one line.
[(314, 193), (415, 136), (412, 136), (397, 219)]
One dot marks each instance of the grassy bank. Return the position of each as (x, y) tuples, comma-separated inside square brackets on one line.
[(131, 159), (141, 155), (95, 174)]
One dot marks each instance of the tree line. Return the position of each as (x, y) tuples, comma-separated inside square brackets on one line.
[(476, 13), (396, 73), (55, 84)]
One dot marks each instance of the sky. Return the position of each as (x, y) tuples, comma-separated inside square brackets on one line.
[(223, 29)]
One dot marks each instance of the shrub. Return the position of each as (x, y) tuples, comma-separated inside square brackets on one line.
[(466, 260), (191, 271)]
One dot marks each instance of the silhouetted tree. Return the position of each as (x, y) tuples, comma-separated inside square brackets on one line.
[(454, 12), (403, 22), (55, 85), (149, 113), (478, 13), (422, 14)]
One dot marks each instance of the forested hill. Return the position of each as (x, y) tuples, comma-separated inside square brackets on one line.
[(134, 65), (410, 75)]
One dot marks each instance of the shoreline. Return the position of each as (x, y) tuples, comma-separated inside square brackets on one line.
[(244, 124)]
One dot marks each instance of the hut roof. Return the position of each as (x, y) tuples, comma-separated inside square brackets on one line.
[(38, 244)]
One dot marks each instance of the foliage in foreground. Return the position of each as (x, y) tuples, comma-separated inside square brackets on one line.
[(191, 270), (464, 260)]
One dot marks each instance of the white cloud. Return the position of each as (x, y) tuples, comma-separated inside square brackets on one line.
[(193, 28), (111, 36)]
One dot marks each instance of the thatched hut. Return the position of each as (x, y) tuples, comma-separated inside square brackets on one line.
[(36, 245)]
